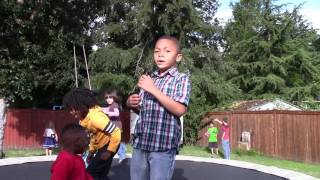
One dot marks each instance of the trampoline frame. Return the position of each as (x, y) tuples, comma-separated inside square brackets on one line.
[(288, 174)]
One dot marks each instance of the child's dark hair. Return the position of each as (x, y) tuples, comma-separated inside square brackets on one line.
[(69, 134), (225, 119), (81, 99), (113, 93), (71, 128)]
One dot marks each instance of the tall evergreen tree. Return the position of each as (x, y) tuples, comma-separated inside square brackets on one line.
[(126, 38), (133, 26), (271, 51)]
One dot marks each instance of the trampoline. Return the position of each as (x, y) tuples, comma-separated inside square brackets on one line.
[(186, 169)]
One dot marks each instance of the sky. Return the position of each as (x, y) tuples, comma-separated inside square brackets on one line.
[(310, 10)]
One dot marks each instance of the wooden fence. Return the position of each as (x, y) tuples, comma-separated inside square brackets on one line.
[(25, 127), (292, 135)]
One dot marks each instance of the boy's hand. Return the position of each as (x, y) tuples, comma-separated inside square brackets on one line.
[(146, 83), (133, 101), (106, 155)]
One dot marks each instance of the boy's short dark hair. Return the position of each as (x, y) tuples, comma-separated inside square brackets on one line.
[(69, 133), (71, 128), (175, 40)]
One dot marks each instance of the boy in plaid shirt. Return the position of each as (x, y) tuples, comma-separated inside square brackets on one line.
[(163, 99)]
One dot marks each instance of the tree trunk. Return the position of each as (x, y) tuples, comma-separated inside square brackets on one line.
[(3, 108)]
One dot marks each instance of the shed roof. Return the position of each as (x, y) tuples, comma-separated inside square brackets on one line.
[(263, 104)]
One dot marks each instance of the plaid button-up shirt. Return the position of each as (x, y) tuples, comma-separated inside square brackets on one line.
[(157, 129)]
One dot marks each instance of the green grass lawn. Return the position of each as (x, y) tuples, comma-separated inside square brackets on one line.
[(27, 152), (249, 156)]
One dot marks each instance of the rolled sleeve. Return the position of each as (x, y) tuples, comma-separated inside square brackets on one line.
[(183, 90)]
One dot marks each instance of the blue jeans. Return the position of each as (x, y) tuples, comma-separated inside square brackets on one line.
[(226, 148), (146, 165), (84, 157), (122, 151)]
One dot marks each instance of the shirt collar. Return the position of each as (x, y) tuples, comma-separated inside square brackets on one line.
[(172, 72)]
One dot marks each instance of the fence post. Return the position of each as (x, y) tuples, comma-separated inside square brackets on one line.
[(275, 128)]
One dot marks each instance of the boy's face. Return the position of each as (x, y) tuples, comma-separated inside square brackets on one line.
[(82, 143), (166, 54)]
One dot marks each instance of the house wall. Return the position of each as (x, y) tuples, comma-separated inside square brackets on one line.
[(292, 135), (24, 128)]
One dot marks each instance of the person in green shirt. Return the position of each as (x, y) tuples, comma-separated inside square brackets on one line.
[(212, 135)]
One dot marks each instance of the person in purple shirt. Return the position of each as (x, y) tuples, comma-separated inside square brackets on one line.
[(225, 136), (163, 99), (113, 111)]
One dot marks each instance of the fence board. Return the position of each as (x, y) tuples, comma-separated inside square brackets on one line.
[(292, 135)]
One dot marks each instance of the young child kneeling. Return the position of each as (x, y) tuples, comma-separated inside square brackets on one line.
[(69, 164)]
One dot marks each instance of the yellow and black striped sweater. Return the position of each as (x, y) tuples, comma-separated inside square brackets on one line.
[(102, 131)]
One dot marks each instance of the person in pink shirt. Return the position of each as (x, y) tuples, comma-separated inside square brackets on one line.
[(225, 139), (69, 164), (113, 112)]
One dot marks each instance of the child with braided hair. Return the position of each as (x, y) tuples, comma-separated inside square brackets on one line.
[(105, 136)]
